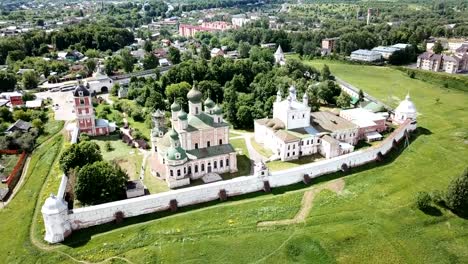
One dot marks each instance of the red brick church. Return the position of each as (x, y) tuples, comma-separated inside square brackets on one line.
[(85, 118)]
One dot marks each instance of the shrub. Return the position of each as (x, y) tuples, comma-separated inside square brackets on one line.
[(108, 146), (423, 201), (438, 197), (84, 137), (457, 194)]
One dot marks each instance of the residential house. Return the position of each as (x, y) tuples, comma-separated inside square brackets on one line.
[(216, 52), (329, 45), (386, 52), (19, 125)]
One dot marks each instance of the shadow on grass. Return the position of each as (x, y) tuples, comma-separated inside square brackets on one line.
[(82, 236), (432, 210)]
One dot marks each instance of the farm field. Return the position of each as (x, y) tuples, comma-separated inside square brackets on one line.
[(372, 221)]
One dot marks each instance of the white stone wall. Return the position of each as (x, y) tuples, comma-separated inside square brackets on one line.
[(99, 214)]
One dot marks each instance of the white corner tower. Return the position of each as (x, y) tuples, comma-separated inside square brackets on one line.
[(55, 214), (405, 110)]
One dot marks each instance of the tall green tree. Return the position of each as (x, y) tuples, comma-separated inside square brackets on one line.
[(244, 49), (174, 55), (78, 155), (150, 61), (30, 79), (127, 60), (205, 52), (230, 105), (326, 74), (344, 100), (7, 81), (437, 48), (100, 182)]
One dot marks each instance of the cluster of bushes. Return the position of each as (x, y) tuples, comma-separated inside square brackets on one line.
[(454, 198)]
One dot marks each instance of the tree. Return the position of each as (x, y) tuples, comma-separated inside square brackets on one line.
[(361, 96), (91, 65), (30, 79), (174, 55), (127, 60), (328, 91), (110, 65), (244, 117), (423, 201), (7, 81), (150, 61), (115, 89), (344, 100), (437, 48), (148, 46), (100, 182), (78, 155), (244, 49), (230, 105), (326, 74), (27, 96), (38, 124), (178, 91), (205, 52), (457, 194)]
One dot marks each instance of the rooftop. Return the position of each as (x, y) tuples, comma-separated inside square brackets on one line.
[(202, 153), (328, 122)]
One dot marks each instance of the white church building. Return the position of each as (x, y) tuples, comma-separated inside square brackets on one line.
[(295, 131)]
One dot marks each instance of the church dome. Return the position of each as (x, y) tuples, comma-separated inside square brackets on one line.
[(209, 103), (182, 115), (174, 135), (217, 110), (81, 88), (175, 107), (176, 153), (194, 96), (406, 106), (53, 205)]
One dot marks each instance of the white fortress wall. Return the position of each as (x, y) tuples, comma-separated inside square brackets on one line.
[(103, 213)]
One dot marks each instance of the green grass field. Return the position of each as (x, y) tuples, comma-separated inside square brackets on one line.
[(372, 221), (129, 159)]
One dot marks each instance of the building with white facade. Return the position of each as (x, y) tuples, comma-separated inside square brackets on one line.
[(195, 146), (240, 20), (370, 124), (366, 55), (405, 110), (294, 131), (386, 52), (279, 56)]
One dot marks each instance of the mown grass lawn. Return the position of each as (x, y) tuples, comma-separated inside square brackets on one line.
[(130, 159), (243, 159), (278, 165), (372, 221)]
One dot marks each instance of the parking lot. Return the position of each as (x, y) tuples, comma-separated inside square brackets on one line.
[(62, 104)]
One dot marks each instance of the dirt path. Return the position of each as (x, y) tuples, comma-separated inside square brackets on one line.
[(306, 205)]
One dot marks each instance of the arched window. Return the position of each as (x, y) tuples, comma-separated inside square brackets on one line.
[(208, 144), (196, 145), (196, 110), (215, 164), (171, 172), (196, 168), (220, 141), (203, 167), (178, 172)]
